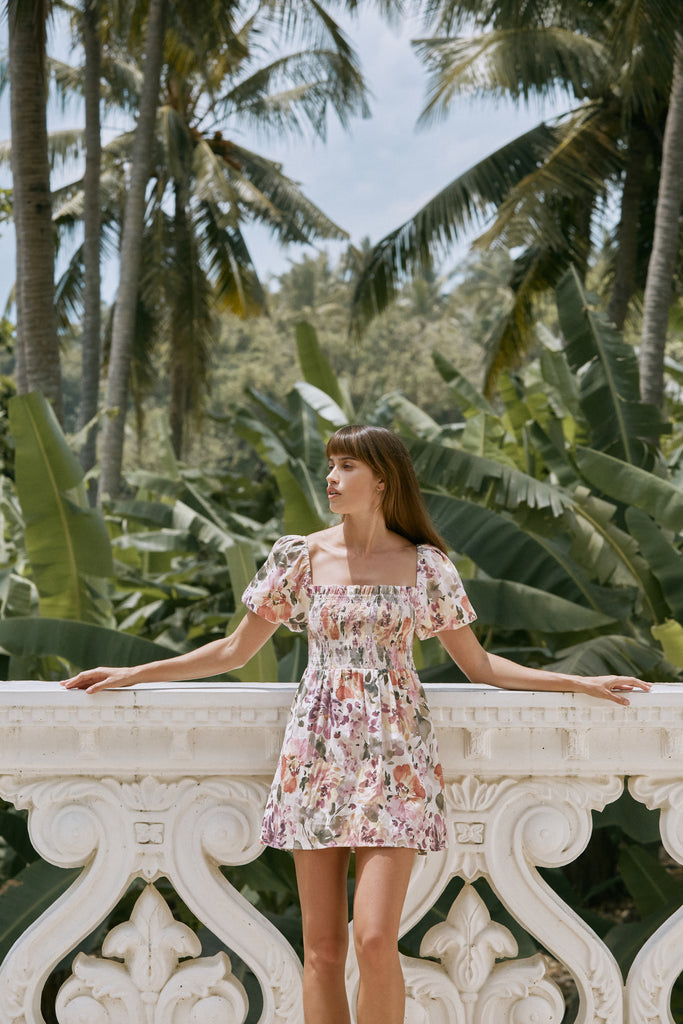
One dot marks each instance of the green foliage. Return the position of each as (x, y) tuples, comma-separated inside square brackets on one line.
[(570, 559), (608, 373), (66, 541)]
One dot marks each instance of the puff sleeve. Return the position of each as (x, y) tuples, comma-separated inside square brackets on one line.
[(442, 601), (279, 592)]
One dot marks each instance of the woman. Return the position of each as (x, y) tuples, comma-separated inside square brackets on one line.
[(359, 768)]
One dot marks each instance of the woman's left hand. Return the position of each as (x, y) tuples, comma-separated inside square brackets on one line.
[(610, 687)]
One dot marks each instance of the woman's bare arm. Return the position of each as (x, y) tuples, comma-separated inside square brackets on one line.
[(212, 659), (481, 667)]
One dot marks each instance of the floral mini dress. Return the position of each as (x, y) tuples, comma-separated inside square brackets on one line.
[(359, 765)]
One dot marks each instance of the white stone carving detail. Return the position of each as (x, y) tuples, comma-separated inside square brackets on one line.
[(151, 986), (170, 780), (658, 963), (469, 987), (120, 830), (468, 943)]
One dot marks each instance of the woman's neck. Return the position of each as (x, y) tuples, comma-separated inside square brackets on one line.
[(364, 534)]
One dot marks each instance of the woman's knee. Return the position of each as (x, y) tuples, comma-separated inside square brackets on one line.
[(326, 954), (376, 950)]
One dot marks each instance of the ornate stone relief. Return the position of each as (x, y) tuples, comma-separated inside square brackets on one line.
[(120, 830), (172, 781), (151, 986), (658, 964)]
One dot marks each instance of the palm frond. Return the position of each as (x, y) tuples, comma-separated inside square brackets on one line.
[(121, 80), (518, 62), (534, 271), (297, 218), (646, 29), (585, 155), (68, 78), (309, 21), (176, 141), (229, 264), (64, 145), (296, 90), (69, 293), (4, 73), (466, 201)]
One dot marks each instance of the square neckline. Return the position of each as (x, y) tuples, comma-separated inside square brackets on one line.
[(377, 587)]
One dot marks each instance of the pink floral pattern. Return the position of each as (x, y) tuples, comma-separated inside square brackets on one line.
[(359, 764)]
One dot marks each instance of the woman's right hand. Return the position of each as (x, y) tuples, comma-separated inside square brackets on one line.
[(95, 679)]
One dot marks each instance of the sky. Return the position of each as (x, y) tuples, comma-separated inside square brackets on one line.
[(368, 179)]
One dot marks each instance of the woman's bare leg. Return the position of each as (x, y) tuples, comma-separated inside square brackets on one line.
[(321, 878), (382, 877)]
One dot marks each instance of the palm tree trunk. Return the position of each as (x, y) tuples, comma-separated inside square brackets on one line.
[(90, 361), (627, 233), (123, 327), (179, 372), (37, 346), (658, 286)]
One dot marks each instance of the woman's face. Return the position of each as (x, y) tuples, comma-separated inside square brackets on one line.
[(352, 486)]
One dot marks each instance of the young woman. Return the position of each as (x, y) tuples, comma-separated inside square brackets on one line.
[(359, 768)]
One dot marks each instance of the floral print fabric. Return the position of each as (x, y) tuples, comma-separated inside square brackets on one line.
[(359, 764)]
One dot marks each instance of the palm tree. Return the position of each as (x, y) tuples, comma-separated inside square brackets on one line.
[(37, 351), (658, 288), (543, 193), (90, 362), (131, 251), (205, 186)]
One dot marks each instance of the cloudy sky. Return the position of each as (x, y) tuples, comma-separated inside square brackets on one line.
[(372, 177)]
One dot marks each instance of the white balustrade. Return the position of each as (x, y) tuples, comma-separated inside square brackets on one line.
[(171, 781)]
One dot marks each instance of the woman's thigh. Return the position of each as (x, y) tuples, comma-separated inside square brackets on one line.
[(382, 877), (322, 882)]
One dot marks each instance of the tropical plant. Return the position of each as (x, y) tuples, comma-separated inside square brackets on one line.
[(545, 192), (92, 234), (570, 548), (665, 241), (196, 261), (37, 351)]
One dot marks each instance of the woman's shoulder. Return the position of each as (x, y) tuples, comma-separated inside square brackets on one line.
[(322, 539)]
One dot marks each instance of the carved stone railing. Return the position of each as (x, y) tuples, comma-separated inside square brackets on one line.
[(171, 781)]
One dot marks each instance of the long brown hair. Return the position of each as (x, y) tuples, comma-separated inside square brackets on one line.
[(385, 453)]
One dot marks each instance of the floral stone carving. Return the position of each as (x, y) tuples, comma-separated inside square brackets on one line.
[(151, 986), (470, 987)]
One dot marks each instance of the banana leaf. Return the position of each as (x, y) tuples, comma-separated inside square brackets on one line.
[(411, 419), (326, 408), (508, 605), (450, 469), (665, 561), (82, 644), (468, 398), (633, 486), (31, 892), (14, 832), (303, 511), (503, 550), (67, 541), (649, 883), (670, 635), (317, 370), (613, 655), (609, 381), (262, 668), (609, 552)]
